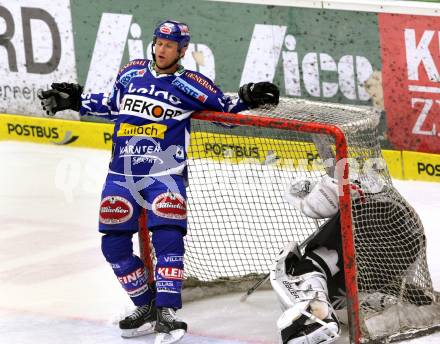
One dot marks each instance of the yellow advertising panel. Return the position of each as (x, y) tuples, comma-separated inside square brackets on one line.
[(394, 162), (421, 166), (238, 149), (219, 147), (55, 131)]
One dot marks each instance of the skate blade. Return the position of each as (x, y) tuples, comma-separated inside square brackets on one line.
[(144, 330), (169, 338)]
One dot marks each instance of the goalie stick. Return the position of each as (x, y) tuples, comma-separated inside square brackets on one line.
[(265, 278)]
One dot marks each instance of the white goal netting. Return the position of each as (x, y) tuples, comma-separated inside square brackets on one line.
[(238, 219)]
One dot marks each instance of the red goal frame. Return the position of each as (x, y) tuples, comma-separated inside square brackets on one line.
[(345, 199)]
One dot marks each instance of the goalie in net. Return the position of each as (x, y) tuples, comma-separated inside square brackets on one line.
[(311, 285)]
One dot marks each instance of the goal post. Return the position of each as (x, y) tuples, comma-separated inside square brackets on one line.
[(345, 201)]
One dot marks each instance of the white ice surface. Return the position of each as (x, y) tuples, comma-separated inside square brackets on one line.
[(55, 286)]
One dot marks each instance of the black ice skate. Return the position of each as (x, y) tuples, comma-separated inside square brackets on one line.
[(169, 328), (141, 322)]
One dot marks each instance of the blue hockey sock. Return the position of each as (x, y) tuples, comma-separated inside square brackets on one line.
[(128, 268), (169, 247)]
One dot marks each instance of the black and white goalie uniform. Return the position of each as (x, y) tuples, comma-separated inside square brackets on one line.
[(311, 285)]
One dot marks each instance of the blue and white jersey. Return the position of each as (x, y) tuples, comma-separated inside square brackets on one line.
[(152, 114)]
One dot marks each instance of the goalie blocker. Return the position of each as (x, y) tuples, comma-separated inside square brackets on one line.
[(311, 285)]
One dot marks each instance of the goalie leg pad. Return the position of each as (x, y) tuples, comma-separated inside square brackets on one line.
[(308, 315), (311, 318), (300, 333)]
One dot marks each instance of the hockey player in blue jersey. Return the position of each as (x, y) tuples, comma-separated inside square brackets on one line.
[(151, 104)]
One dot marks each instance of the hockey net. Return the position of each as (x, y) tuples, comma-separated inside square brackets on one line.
[(239, 221)]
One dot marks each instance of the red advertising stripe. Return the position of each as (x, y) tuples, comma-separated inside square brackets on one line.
[(411, 80)]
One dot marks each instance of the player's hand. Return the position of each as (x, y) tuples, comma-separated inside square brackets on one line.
[(61, 96), (259, 94)]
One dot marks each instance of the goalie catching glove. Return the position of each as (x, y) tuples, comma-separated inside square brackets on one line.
[(320, 200), (260, 93), (317, 200), (62, 96)]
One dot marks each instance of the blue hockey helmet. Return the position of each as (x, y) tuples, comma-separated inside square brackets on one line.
[(174, 31)]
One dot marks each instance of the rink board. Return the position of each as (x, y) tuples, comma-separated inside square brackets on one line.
[(402, 164)]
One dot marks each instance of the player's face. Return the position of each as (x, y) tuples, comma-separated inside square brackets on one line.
[(167, 52)]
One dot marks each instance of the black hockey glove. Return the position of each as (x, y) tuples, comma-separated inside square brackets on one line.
[(62, 96), (259, 93)]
